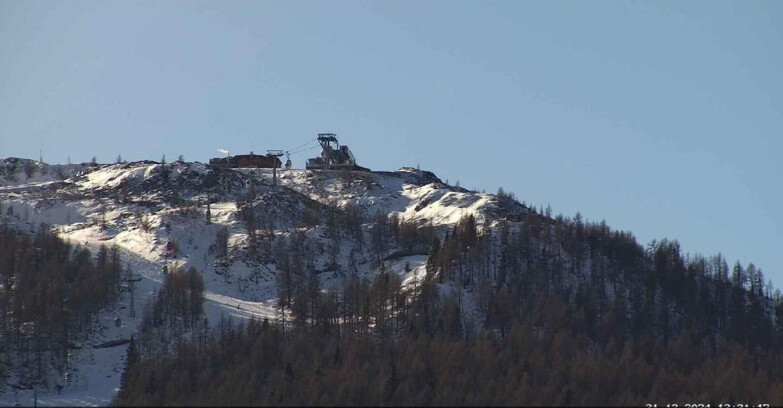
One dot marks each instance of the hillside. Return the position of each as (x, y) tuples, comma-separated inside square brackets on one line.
[(321, 247), (140, 207)]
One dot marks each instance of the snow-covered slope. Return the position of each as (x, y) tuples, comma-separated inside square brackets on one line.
[(412, 194), (143, 206), (16, 171)]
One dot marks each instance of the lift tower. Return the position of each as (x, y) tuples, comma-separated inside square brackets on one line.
[(275, 154), (131, 278)]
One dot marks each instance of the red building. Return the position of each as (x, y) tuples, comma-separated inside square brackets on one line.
[(247, 161)]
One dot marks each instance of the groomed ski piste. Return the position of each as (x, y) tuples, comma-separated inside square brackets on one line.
[(77, 203)]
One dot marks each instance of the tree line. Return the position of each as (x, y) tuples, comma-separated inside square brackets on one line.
[(50, 295)]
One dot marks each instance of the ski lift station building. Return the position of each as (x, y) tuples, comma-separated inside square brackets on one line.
[(251, 160), (333, 156)]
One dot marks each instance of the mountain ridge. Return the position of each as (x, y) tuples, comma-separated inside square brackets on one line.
[(263, 247)]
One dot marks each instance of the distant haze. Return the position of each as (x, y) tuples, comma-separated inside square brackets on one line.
[(663, 118)]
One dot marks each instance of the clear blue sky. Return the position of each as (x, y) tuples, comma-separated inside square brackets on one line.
[(664, 118)]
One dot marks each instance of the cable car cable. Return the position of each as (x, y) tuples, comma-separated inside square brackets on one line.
[(303, 150), (305, 144)]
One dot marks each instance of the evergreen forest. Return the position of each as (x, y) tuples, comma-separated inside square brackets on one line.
[(536, 311)]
